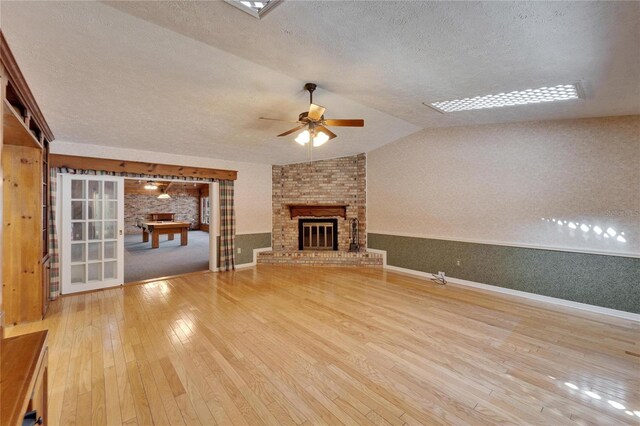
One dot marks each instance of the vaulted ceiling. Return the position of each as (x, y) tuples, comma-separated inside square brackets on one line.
[(193, 77)]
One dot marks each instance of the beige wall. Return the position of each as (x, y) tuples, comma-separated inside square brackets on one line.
[(252, 189), (494, 183)]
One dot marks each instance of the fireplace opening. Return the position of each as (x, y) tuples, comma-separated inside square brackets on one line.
[(318, 234)]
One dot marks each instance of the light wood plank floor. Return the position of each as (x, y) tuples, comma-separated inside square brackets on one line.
[(296, 345)]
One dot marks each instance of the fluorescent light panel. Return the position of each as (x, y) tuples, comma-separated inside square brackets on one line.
[(562, 92), (257, 5)]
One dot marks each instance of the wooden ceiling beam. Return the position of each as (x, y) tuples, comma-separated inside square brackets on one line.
[(138, 167)]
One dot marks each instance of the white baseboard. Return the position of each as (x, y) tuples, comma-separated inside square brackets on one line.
[(255, 258), (245, 265), (532, 296)]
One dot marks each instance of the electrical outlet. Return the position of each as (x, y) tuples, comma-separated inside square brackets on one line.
[(458, 262), (239, 250), (440, 278)]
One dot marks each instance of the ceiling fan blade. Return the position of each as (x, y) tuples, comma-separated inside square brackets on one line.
[(295, 129), (345, 123), (315, 112), (277, 119), (327, 132)]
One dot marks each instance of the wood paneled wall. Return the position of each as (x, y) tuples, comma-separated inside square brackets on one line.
[(136, 186), (21, 239), (3, 88)]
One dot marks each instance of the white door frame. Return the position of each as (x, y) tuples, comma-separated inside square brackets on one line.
[(214, 215), (214, 224)]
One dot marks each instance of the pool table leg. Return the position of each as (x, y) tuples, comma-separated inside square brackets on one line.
[(155, 239), (145, 237), (170, 237), (183, 236)]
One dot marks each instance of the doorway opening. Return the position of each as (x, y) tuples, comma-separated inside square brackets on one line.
[(167, 228)]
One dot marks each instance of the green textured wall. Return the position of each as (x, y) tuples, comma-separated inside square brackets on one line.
[(607, 281), (248, 242)]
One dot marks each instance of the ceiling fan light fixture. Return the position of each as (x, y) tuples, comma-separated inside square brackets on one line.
[(312, 125), (150, 186), (164, 196), (303, 138), (320, 139)]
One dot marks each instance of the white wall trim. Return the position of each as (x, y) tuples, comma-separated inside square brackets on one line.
[(255, 258), (507, 244), (214, 217), (532, 296), (381, 252)]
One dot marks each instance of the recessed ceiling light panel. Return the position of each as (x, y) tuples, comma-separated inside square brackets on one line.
[(257, 9), (563, 92)]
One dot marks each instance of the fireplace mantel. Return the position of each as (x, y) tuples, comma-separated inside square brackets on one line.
[(318, 210)]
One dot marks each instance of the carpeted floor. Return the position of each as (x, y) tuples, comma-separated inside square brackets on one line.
[(141, 262)]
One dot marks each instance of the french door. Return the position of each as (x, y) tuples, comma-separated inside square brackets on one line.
[(92, 223)]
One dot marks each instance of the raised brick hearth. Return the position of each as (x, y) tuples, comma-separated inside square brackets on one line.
[(320, 258)]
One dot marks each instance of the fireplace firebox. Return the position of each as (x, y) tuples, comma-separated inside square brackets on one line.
[(318, 234)]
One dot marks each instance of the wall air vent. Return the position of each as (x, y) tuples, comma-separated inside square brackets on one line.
[(257, 9), (563, 92)]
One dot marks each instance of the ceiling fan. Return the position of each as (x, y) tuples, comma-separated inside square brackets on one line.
[(314, 123)]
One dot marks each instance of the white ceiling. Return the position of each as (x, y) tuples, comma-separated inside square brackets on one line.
[(192, 77)]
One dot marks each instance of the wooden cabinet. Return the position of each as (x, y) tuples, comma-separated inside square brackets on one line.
[(46, 281), (22, 223), (25, 197), (3, 89), (37, 407), (45, 198), (24, 379)]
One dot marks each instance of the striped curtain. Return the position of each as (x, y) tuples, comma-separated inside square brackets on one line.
[(54, 259), (227, 226)]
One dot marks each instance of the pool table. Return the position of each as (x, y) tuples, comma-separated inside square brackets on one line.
[(164, 228)]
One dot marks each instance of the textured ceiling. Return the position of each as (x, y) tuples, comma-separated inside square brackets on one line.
[(192, 77), (393, 56), (104, 77)]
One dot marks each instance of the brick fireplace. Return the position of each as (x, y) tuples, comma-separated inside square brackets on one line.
[(319, 198), (337, 185)]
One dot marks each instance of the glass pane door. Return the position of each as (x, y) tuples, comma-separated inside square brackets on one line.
[(92, 240)]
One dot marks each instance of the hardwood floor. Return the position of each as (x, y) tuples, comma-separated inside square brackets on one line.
[(301, 345)]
